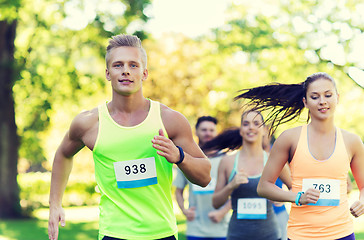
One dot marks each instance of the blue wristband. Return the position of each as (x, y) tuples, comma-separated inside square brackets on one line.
[(298, 197), (181, 155)]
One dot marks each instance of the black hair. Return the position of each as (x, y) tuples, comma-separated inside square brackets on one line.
[(283, 101), (229, 139), (205, 118)]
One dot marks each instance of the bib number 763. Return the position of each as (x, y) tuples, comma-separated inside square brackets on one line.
[(322, 187), (329, 191)]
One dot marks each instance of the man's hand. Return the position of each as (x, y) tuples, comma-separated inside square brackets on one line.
[(216, 216), (190, 213), (56, 216), (165, 147)]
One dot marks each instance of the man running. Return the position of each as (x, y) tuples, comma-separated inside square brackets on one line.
[(135, 142)]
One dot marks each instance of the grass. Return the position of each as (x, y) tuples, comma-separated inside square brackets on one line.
[(82, 224), (35, 229)]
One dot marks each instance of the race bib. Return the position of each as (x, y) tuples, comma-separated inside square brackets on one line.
[(136, 173), (209, 189), (252, 208), (329, 191)]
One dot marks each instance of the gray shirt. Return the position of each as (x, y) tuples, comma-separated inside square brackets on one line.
[(201, 199)]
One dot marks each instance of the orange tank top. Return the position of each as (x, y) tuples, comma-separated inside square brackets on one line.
[(331, 218)]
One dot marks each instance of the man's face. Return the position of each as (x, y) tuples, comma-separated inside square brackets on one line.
[(206, 131), (126, 70)]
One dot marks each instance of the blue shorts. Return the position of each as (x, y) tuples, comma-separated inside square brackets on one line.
[(205, 238)]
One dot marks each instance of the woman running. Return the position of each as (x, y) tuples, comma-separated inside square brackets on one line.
[(319, 155), (238, 177)]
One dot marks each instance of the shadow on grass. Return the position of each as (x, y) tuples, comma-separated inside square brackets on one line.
[(33, 229)]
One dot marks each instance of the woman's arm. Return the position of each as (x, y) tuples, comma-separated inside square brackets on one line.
[(222, 192), (357, 168), (278, 157), (224, 188), (285, 176)]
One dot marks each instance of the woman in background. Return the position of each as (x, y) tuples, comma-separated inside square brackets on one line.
[(238, 177), (319, 154)]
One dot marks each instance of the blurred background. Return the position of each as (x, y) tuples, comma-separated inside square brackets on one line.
[(200, 54)]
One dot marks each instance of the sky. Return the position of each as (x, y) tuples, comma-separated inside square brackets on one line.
[(197, 17), (190, 17)]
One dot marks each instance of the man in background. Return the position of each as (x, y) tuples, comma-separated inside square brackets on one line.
[(203, 221)]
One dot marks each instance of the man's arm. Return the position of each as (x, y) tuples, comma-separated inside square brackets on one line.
[(217, 215), (61, 169), (180, 182), (190, 212), (195, 166), (180, 199)]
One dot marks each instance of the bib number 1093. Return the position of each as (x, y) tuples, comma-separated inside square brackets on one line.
[(252, 208), (252, 205)]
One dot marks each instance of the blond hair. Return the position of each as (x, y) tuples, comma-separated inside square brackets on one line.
[(123, 40)]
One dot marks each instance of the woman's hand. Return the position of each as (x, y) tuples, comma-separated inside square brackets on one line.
[(357, 208), (310, 196), (240, 178)]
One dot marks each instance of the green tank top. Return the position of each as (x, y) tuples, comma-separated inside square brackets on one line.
[(134, 181)]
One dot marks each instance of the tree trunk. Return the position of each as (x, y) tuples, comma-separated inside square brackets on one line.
[(9, 190)]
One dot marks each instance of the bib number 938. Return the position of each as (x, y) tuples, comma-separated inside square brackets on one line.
[(136, 173), (135, 169)]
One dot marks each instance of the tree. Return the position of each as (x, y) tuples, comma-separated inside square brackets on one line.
[(9, 141), (9, 193), (262, 42), (289, 40), (42, 69)]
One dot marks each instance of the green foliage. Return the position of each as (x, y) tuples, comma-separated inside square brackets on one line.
[(59, 66), (34, 191), (9, 9), (62, 69), (290, 42)]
